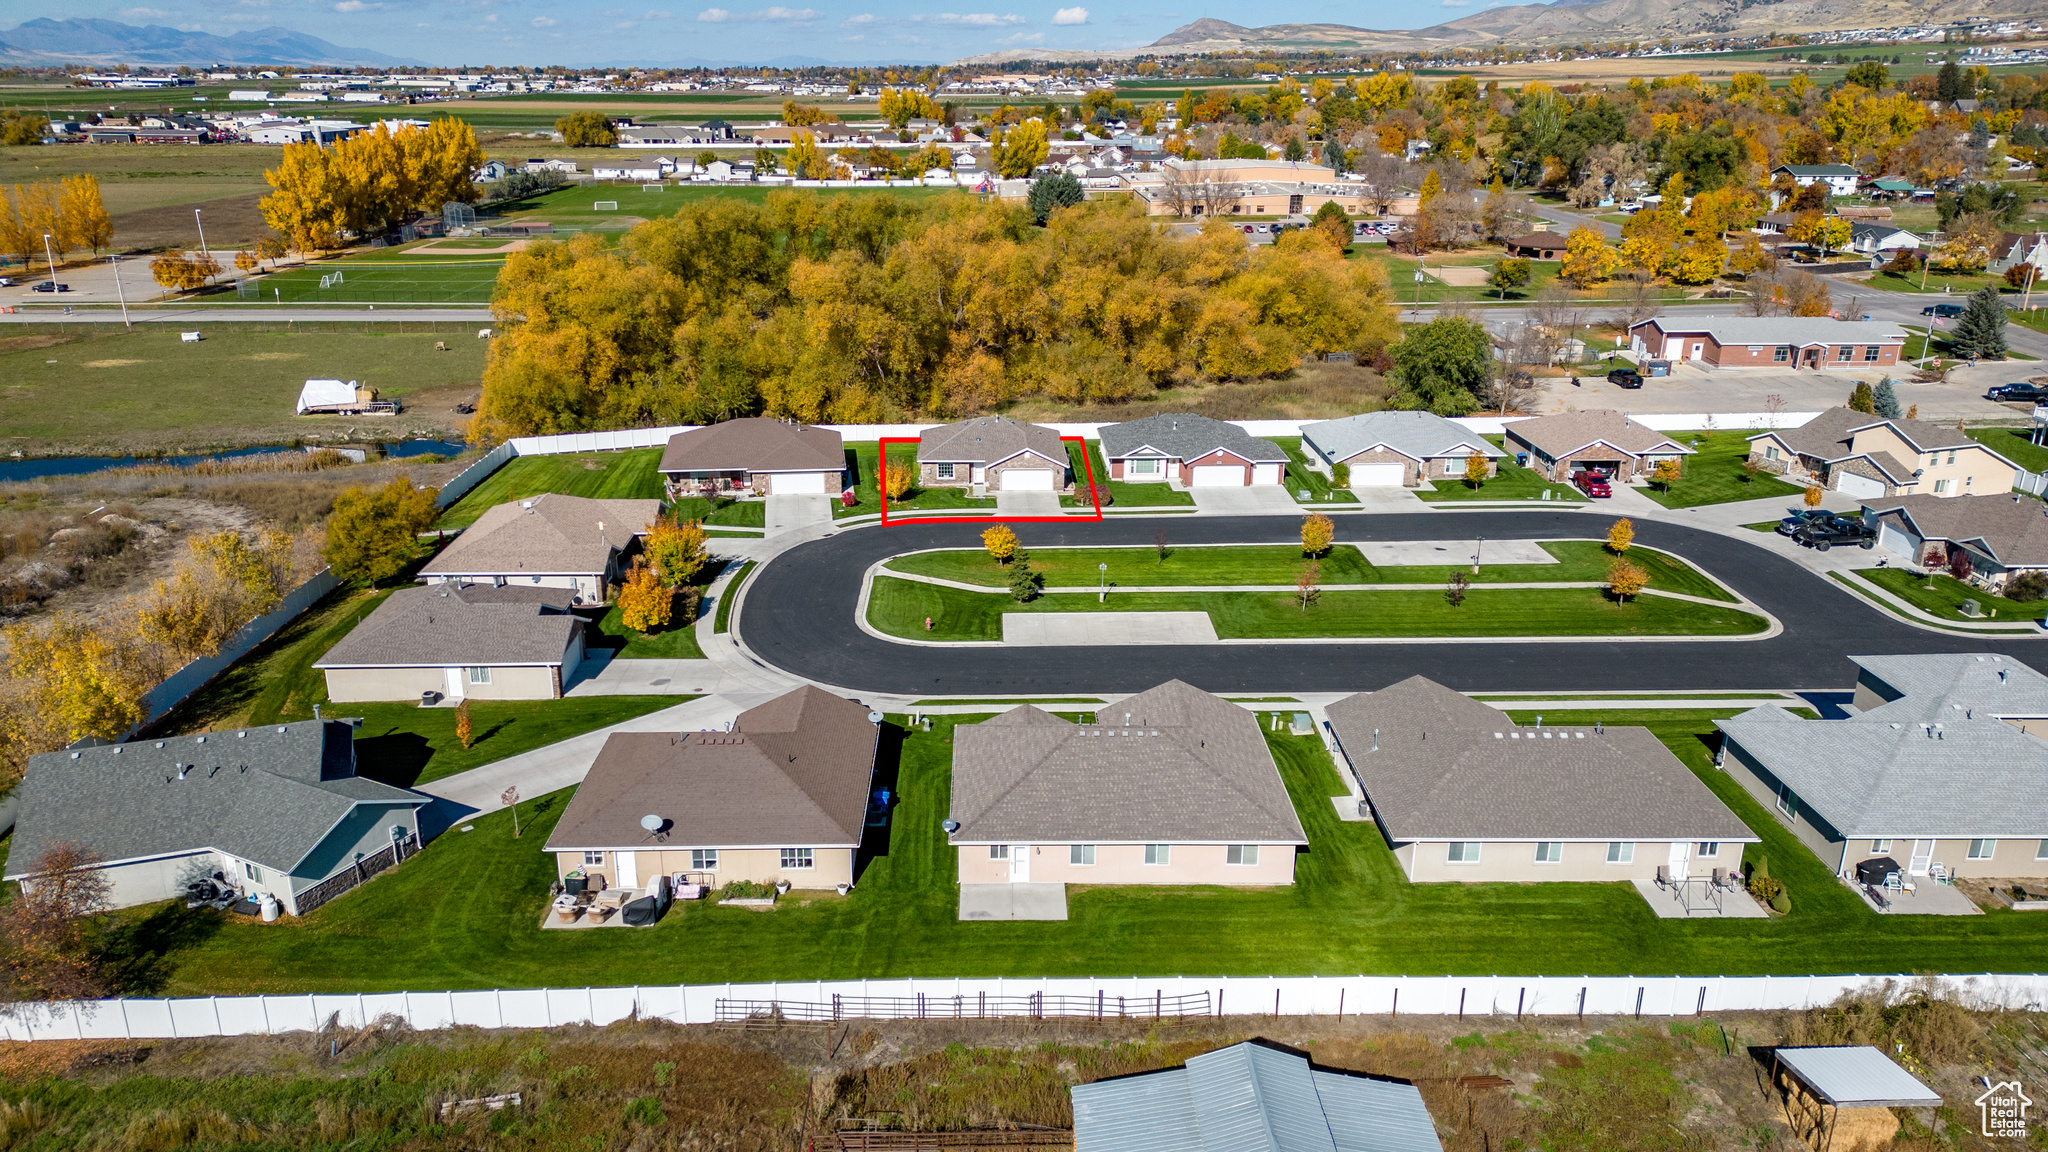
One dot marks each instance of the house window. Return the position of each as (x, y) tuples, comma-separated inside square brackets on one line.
[(1550, 852), (252, 872), (1843, 352), (479, 675), (1158, 853), (1770, 453), (1880, 847), (1983, 849), (1940, 486), (2041, 850), (1621, 852), (704, 859), (593, 859), (1082, 854), (1870, 353), (1463, 852), (1707, 849), (945, 471), (999, 851), (794, 858), (1144, 467), (1244, 854), (1781, 353), (1787, 803), (1951, 456)]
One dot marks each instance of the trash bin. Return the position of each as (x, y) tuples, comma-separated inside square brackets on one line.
[(270, 907)]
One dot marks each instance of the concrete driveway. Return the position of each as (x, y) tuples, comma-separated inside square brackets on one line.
[(1027, 503), (789, 513), (1256, 499)]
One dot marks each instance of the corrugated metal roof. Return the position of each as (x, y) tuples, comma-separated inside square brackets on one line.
[(1253, 1099), (1150, 1113), (1375, 1115), (1857, 1077)]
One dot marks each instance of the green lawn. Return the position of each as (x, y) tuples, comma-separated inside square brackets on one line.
[(1120, 494), (727, 512), (631, 474), (678, 642), (723, 619), (1958, 286), (381, 277), (1578, 560), (1946, 598), (869, 499), (465, 913), (2012, 443), (1300, 476), (1512, 482), (1713, 475), (900, 607)]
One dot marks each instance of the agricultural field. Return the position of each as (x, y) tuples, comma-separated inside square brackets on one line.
[(151, 189), (109, 390)]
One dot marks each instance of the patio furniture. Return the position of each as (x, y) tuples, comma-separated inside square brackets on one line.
[(645, 911), (1663, 875), (692, 885), (1720, 878), (1875, 869), (566, 910), (1940, 873), (1893, 884)]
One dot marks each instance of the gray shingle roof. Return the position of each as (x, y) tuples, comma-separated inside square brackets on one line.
[(1186, 768), (1567, 432), (1769, 330), (1922, 765), (550, 534), (1250, 1098), (989, 440), (1416, 435), (1827, 436), (754, 444), (793, 773), (1185, 436), (2008, 528), (447, 625), (1451, 768), (269, 795)]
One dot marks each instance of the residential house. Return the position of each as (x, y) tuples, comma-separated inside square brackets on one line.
[(1878, 240), (548, 541), (1170, 786), (755, 454), (491, 172), (1464, 794), (782, 796), (1596, 439), (1943, 764), (1840, 178), (2016, 248), (1251, 1097), (1396, 449), (479, 641), (2003, 535), (1780, 342), (275, 809), (1004, 454), (1867, 456), (1536, 245), (1190, 451)]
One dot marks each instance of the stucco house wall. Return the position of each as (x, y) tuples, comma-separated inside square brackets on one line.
[(350, 685), (1125, 864), (829, 866), (1515, 861)]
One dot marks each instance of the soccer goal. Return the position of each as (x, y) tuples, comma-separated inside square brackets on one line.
[(331, 280), (605, 206), (650, 187)]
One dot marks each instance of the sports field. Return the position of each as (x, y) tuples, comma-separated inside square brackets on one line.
[(381, 278)]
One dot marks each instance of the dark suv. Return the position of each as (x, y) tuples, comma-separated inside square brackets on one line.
[(2022, 392), (1625, 378), (1822, 535), (1942, 310), (1791, 525)]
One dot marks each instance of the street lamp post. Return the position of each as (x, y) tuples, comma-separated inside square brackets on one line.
[(1477, 550), (1102, 594), (51, 257), (120, 291), (202, 232)]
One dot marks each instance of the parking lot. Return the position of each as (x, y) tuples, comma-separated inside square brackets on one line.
[(1695, 388)]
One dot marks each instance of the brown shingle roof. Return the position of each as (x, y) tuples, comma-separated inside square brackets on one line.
[(1568, 432), (754, 444), (1186, 767), (2011, 529), (989, 440), (1440, 772), (546, 535), (444, 624), (1827, 435), (793, 773)]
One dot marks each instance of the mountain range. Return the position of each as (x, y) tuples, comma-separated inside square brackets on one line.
[(50, 43)]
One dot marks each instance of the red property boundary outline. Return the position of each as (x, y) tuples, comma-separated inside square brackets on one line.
[(882, 489)]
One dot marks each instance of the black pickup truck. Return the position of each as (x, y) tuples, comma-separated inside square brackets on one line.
[(1822, 535)]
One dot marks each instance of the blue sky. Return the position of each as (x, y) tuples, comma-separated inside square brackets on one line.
[(669, 31)]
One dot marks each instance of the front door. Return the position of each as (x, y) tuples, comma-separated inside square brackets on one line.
[(1923, 856), (1020, 863), (1699, 352), (1681, 859)]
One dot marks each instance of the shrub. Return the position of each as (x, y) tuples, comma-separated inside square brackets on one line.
[(1340, 475), (2027, 587)]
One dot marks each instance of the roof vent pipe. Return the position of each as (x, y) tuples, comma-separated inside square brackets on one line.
[(1599, 727), (1375, 739), (1127, 717), (316, 712)]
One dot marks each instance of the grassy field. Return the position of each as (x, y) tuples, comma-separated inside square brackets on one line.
[(2012, 443), (97, 389), (577, 204), (627, 475), (150, 190), (1578, 560), (1510, 482), (1713, 475), (1946, 598), (380, 278), (464, 913), (900, 607)]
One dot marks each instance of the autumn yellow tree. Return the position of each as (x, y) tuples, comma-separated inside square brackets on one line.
[(465, 728), (1698, 262), (1432, 187), (676, 551), (1317, 530), (1015, 152), (1621, 535), (1625, 578), (80, 678), (1587, 258), (1666, 473), (184, 271), (900, 476), (899, 108), (225, 581), (374, 532), (82, 219), (798, 115), (369, 182), (644, 604), (1475, 469), (1000, 542), (805, 160), (1814, 496)]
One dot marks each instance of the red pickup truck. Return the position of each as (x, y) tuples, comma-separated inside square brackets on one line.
[(1593, 484)]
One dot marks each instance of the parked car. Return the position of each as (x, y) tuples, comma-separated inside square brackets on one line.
[(51, 286), (6, 281), (1822, 535), (1593, 484), (1625, 378), (1247, 227), (1800, 518), (2021, 391), (1942, 310)]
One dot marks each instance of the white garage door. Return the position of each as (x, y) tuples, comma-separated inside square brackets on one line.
[(1265, 473), (1899, 541), (1378, 475), (1861, 487), (796, 483), (1027, 480), (1219, 476)]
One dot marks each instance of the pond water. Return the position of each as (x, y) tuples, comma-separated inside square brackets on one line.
[(17, 470)]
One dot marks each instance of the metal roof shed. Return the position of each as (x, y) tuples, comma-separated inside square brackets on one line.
[(1856, 1077)]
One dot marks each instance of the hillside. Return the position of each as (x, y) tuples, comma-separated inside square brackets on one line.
[(56, 43)]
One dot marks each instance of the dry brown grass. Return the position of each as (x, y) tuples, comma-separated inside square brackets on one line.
[(1312, 392)]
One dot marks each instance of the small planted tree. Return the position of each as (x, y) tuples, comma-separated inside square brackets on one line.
[(1862, 399), (1159, 544), (1886, 399), (1625, 578), (644, 604), (899, 476), (1751, 469), (1814, 495), (1621, 535), (1959, 565), (1308, 585), (1666, 473), (1000, 542), (1024, 582), (1454, 591), (1317, 530), (1508, 275), (1475, 470), (465, 728)]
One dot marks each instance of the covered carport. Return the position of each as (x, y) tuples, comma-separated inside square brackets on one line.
[(1845, 1094)]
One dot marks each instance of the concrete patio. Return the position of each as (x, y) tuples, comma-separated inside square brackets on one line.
[(1930, 897), (1695, 902), (1013, 902)]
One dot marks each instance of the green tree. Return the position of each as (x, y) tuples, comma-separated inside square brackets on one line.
[(1871, 74), (587, 129), (1886, 399), (1442, 365), (1024, 582), (1949, 83), (374, 532), (1294, 149), (1050, 191), (1980, 333), (1861, 399), (1508, 274), (1332, 223)]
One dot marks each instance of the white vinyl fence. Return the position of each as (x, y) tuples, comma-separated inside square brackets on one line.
[(969, 998), (194, 676)]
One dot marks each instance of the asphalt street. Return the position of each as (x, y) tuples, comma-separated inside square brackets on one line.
[(799, 616)]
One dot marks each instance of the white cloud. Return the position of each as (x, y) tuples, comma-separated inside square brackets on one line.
[(145, 13), (1022, 38), (1070, 16), (713, 16), (775, 15), (355, 6), (543, 22), (861, 21), (968, 20)]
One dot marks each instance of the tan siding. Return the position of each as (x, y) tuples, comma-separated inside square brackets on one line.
[(347, 685), (1125, 864), (830, 866), (1582, 861)]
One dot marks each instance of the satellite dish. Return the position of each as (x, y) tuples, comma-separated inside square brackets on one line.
[(651, 822), (951, 826), (874, 717)]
